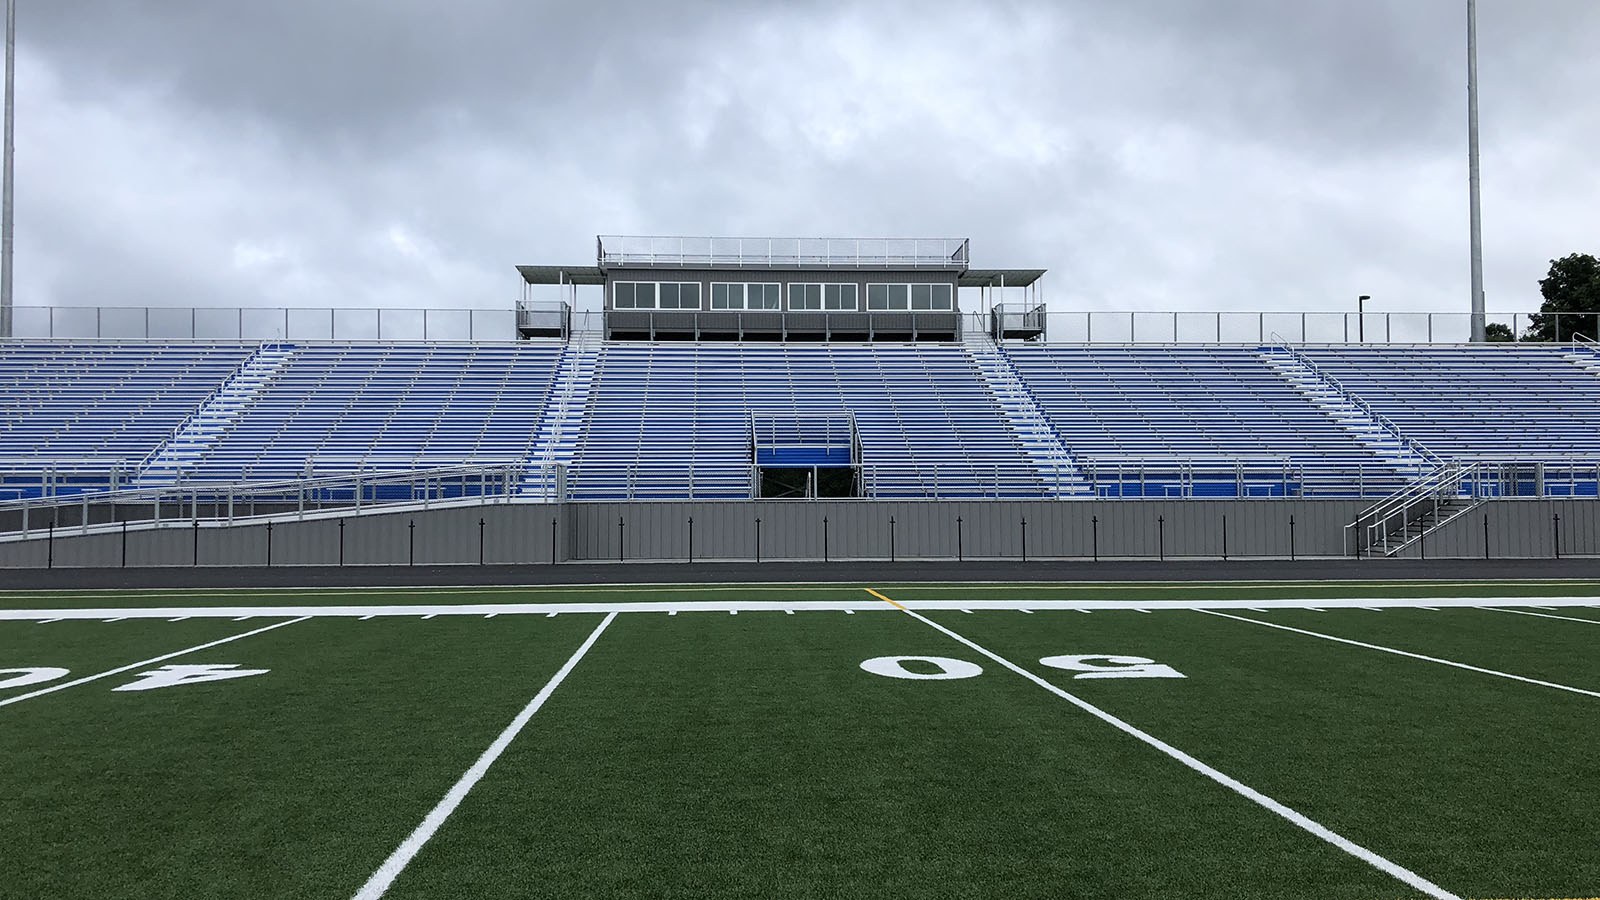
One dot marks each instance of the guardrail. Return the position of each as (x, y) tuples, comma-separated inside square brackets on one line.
[(231, 501), (250, 324), (782, 253)]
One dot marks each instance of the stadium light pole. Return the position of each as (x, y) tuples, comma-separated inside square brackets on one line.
[(7, 215), (1474, 188)]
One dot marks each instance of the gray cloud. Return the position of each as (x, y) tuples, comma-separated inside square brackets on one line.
[(1159, 154)]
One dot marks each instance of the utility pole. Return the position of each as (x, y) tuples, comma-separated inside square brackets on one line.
[(1473, 180), (7, 213)]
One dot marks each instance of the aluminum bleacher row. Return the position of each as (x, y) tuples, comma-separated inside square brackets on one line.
[(1468, 402), (1136, 417), (927, 426), (387, 407), (673, 421), (83, 410)]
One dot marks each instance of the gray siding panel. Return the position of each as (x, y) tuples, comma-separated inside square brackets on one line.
[(522, 533)]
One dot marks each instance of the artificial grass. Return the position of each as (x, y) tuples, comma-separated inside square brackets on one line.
[(1484, 785), (296, 783), (716, 755), (738, 756)]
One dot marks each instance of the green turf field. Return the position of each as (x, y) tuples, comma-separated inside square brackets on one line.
[(1377, 740)]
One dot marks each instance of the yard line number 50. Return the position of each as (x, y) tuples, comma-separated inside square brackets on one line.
[(1085, 665)]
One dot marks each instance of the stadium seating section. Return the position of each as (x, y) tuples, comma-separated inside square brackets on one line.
[(675, 421)]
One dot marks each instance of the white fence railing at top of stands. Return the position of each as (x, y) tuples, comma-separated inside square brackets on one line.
[(357, 492), (489, 325)]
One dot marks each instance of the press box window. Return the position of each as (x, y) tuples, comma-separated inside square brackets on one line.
[(633, 295), (822, 296), (745, 296), (915, 297), (675, 295)]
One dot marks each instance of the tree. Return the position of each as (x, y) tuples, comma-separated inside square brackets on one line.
[(1498, 333), (1571, 300)]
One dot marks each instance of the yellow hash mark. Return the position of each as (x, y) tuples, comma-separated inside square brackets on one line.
[(885, 599)]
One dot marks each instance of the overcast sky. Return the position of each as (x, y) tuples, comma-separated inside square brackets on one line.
[(1153, 154)]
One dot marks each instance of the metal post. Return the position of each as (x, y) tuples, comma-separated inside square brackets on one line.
[(824, 538), (1361, 318), (1474, 182), (1094, 525), (1161, 538), (1224, 538), (411, 542), (269, 544), (124, 545), (341, 542), (691, 539), (196, 559), (960, 555), (1024, 540), (1291, 538), (619, 538), (1555, 525), (758, 539), (480, 542), (50, 545), (7, 201), (891, 539), (552, 542), (1485, 535)]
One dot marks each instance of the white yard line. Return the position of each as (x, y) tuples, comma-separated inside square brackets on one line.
[(754, 605), (1522, 612), (1405, 653), (147, 662), (397, 861), (1396, 870)]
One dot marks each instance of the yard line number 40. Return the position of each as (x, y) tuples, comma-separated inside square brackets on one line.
[(1087, 665)]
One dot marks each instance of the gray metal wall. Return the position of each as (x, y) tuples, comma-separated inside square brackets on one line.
[(523, 533), (930, 529), (1519, 529), (518, 533)]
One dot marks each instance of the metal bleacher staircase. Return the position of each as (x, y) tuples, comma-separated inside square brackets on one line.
[(1350, 412), (1400, 521), (1585, 354), (166, 464), (1038, 437), (561, 421)]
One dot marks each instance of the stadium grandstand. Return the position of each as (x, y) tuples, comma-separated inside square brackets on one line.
[(743, 371)]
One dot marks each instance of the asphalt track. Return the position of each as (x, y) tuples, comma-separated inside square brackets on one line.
[(853, 572)]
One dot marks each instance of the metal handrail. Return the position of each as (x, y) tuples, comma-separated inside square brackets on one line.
[(188, 489), (1374, 525), (1354, 399)]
